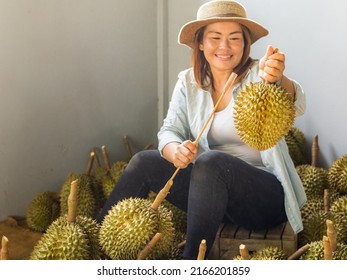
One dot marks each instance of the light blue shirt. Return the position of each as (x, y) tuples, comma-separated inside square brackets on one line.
[(190, 106)]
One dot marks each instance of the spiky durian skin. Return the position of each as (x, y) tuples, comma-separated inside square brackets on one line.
[(337, 175), (117, 169), (269, 253), (314, 227), (316, 252), (108, 185), (338, 211), (314, 180), (86, 203), (296, 142), (130, 225), (263, 114), (43, 209), (62, 241)]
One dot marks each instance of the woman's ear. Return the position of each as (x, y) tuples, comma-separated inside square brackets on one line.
[(201, 47)]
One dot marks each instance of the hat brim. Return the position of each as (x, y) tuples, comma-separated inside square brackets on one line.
[(187, 33)]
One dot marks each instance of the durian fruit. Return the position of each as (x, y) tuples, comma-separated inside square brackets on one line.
[(177, 248), (70, 237), (338, 211), (263, 114), (314, 180), (90, 195), (4, 255), (131, 224), (296, 143), (337, 175), (316, 251), (269, 253), (179, 217), (43, 209)]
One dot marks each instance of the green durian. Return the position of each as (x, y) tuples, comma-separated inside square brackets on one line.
[(338, 210), (269, 253), (87, 204), (296, 143), (337, 175), (179, 216), (130, 225), (263, 114), (43, 209), (117, 169), (314, 180), (69, 237), (316, 251)]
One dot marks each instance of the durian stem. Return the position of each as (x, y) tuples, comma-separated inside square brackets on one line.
[(106, 158), (4, 248), (326, 200), (181, 244), (331, 233), (315, 151), (202, 250), (228, 85), (147, 147), (72, 202), (328, 253), (298, 253), (244, 252), (149, 247), (90, 163), (97, 161), (127, 146)]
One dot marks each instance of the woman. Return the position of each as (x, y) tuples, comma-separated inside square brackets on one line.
[(222, 177)]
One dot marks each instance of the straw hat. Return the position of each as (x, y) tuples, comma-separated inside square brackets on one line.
[(220, 10)]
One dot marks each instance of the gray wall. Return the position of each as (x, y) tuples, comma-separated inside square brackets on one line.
[(74, 74), (78, 74)]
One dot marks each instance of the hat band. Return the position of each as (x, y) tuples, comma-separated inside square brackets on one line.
[(225, 15)]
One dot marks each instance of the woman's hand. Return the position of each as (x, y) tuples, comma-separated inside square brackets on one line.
[(180, 154), (271, 65)]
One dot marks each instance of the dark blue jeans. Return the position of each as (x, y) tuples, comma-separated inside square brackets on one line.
[(217, 187)]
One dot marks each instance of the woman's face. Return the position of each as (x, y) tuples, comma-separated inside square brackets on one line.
[(223, 45)]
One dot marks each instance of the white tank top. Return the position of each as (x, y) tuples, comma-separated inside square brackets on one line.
[(223, 136)]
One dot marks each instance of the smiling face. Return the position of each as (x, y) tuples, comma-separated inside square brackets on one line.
[(223, 46)]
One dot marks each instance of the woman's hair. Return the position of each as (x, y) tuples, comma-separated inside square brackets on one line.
[(202, 71)]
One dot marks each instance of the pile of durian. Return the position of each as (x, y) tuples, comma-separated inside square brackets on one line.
[(135, 229)]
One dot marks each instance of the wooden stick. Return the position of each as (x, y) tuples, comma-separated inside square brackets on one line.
[(181, 244), (147, 147), (315, 151), (298, 253), (328, 253), (202, 250), (149, 247), (72, 202), (4, 248), (228, 85), (331, 233), (244, 252), (90, 163), (106, 158), (326, 200)]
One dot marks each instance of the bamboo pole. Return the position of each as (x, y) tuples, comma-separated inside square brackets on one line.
[(72, 202), (202, 250), (331, 233), (4, 248), (244, 252), (149, 246), (161, 195)]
